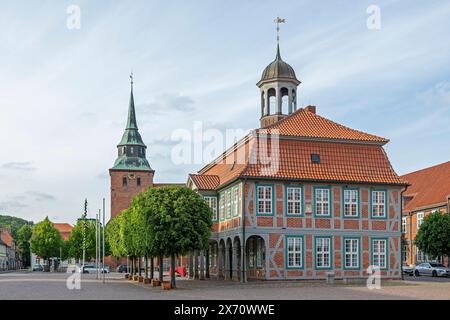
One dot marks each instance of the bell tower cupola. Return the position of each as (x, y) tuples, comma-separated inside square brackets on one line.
[(278, 88)]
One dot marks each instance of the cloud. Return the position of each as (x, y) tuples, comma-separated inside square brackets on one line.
[(437, 96), (19, 166), (102, 176), (12, 205), (39, 196), (166, 103)]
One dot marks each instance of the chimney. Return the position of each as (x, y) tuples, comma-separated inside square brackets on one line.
[(311, 109)]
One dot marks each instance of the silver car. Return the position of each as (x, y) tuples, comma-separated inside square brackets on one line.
[(431, 269)]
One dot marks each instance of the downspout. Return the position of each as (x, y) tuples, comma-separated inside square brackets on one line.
[(401, 236), (244, 247)]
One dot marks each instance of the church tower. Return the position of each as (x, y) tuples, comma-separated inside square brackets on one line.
[(131, 173)]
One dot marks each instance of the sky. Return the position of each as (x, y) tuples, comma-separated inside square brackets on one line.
[(64, 91)]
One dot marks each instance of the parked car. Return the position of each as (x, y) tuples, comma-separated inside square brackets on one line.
[(408, 270), (104, 270), (89, 268), (122, 268), (38, 268), (431, 269)]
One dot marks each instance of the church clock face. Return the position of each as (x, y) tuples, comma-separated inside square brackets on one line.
[(131, 176)]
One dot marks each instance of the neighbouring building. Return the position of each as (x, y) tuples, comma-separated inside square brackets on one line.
[(429, 192), (9, 257), (301, 196), (3, 256)]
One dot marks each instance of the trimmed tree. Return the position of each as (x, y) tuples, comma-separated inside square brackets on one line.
[(433, 237), (46, 241), (179, 221)]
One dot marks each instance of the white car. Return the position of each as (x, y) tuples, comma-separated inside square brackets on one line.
[(431, 269)]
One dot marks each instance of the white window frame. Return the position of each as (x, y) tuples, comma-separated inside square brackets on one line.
[(265, 198), (404, 225), (351, 255), (294, 252), (228, 204), (378, 204), (294, 201), (351, 197), (420, 216), (222, 207), (323, 252), (379, 254), (319, 196), (236, 191), (212, 203)]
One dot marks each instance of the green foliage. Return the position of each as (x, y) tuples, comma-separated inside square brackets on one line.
[(23, 242), (75, 242), (113, 238), (13, 223), (179, 220), (46, 240), (433, 237)]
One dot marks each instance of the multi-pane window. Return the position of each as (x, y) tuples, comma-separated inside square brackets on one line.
[(323, 248), (259, 252), (294, 252), (378, 204), (403, 224), (212, 203), (236, 201), (405, 253), (251, 253), (350, 203), (379, 253), (351, 253), (228, 201), (322, 202), (419, 219), (222, 207), (294, 200), (264, 199)]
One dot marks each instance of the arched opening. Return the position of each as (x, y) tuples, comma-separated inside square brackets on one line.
[(237, 259), (272, 95), (284, 92), (256, 257), (229, 260), (263, 104), (294, 99)]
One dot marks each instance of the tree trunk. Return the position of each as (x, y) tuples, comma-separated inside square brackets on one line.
[(172, 273), (139, 266), (133, 268), (152, 268), (161, 269), (146, 267)]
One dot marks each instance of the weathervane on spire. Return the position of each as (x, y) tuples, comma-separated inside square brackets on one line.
[(131, 77), (279, 20)]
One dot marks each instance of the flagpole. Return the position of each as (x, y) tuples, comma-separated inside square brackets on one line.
[(96, 243), (103, 254)]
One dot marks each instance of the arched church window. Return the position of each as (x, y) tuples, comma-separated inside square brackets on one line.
[(124, 181)]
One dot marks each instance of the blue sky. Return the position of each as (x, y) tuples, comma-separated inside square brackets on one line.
[(64, 93)]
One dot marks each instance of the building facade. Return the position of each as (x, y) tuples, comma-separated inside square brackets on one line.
[(429, 192), (9, 256), (301, 196)]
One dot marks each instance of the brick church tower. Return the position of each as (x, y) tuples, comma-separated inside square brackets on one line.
[(131, 173)]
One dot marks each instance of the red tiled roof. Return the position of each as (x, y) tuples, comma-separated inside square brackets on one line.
[(6, 237), (307, 124), (205, 182), (346, 162), (64, 229), (429, 187)]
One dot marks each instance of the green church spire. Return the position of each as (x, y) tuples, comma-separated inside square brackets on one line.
[(131, 148)]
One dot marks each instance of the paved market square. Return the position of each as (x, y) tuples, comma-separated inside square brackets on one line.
[(43, 286)]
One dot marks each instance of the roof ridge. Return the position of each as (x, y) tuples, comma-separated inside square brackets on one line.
[(425, 169)]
